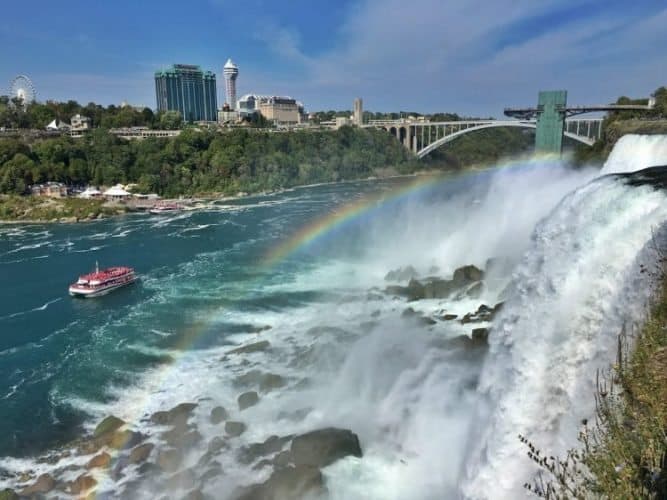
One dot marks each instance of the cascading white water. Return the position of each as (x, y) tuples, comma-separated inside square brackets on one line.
[(574, 290), (635, 152)]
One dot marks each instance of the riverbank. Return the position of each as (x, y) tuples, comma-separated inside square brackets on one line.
[(15, 209), (32, 209)]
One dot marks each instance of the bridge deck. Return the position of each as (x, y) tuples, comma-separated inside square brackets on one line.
[(578, 110)]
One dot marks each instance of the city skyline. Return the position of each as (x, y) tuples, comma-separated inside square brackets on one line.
[(472, 58)]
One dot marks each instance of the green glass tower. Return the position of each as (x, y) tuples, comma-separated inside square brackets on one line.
[(189, 90), (550, 121)]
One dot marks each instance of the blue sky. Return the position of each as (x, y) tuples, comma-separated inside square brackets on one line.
[(473, 57)]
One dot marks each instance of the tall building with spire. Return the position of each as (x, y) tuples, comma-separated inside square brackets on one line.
[(231, 72)]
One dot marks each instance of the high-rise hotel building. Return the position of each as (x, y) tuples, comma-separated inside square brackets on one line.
[(188, 89)]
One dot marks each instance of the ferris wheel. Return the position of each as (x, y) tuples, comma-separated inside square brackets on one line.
[(22, 88)]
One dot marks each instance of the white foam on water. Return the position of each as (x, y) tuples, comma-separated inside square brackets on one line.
[(43, 307)]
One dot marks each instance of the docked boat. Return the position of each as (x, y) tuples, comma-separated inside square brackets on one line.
[(101, 282), (165, 208)]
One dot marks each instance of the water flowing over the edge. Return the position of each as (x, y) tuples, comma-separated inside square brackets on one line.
[(574, 291)]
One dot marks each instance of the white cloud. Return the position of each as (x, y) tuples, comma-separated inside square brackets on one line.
[(430, 55)]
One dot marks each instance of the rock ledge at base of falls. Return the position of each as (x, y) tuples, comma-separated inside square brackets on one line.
[(324, 446), (466, 279), (297, 471)]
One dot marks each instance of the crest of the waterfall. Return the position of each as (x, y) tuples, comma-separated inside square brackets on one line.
[(636, 152), (575, 289)]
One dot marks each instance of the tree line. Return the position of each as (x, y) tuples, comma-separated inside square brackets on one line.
[(37, 115), (199, 161)]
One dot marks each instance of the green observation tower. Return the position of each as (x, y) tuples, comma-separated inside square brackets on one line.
[(551, 110)]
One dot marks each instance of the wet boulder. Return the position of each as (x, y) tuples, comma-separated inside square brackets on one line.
[(266, 382), (123, 440), (182, 437), (467, 275), (218, 414), (324, 446), (480, 335), (464, 342), (247, 399), (482, 314), (271, 381), (101, 461), (81, 484), (141, 453), (289, 483), (44, 484), (108, 425), (436, 288), (260, 346), (248, 454), (234, 429), (415, 290), (178, 415)]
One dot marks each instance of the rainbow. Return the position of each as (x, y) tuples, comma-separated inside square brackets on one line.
[(341, 215), (412, 186)]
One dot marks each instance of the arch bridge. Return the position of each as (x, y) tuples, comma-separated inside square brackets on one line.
[(552, 120), (422, 137)]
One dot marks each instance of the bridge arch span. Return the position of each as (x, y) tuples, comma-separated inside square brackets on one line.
[(448, 138)]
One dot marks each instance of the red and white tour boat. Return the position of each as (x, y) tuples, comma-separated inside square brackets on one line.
[(102, 282)]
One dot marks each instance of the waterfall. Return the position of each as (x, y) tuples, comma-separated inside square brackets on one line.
[(574, 290)]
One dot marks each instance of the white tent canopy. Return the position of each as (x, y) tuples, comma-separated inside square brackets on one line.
[(90, 192), (57, 125), (116, 191)]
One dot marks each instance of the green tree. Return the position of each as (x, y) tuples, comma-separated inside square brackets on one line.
[(170, 120), (16, 174)]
